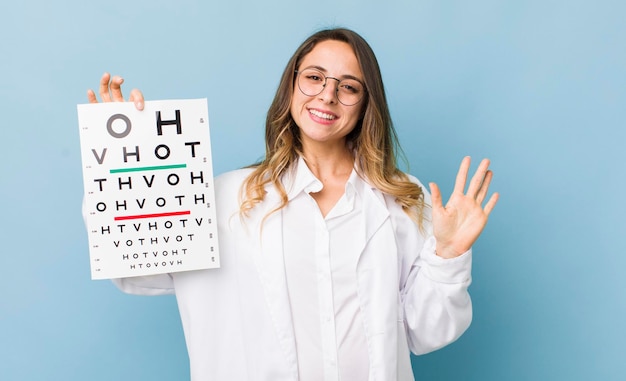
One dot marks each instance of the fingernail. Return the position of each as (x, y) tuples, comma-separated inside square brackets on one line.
[(139, 105)]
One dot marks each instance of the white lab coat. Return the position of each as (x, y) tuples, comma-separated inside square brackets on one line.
[(237, 319)]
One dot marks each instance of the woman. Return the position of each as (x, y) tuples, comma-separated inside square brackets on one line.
[(334, 262)]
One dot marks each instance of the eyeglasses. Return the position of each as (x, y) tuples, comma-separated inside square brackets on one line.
[(312, 82)]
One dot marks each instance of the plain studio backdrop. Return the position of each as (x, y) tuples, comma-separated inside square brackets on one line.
[(537, 86)]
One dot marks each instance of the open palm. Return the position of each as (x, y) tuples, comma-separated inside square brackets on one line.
[(458, 224)]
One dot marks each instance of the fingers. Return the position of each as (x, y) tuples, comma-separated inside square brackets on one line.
[(136, 97), (461, 176), (478, 179), (484, 187), (491, 203), (91, 96), (435, 196), (116, 88), (110, 90), (479, 184), (105, 95)]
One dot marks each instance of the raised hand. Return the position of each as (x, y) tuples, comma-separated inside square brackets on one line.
[(111, 91), (458, 224)]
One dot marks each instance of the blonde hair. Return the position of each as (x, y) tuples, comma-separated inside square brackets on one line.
[(373, 140)]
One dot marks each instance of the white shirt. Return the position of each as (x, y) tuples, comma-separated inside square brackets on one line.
[(320, 263)]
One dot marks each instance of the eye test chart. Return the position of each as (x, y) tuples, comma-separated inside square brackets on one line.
[(148, 182)]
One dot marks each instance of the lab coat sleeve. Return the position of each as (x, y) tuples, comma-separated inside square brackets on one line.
[(161, 284), (436, 305)]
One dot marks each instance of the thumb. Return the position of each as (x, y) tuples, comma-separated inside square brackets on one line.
[(435, 195), (136, 96)]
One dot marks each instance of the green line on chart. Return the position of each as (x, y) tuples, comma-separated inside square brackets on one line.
[(156, 168)]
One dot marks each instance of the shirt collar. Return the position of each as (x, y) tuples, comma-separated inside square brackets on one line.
[(301, 179)]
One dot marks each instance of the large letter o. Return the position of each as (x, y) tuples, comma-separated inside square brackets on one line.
[(122, 134)]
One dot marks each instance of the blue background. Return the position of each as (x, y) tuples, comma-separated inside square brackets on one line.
[(537, 86)]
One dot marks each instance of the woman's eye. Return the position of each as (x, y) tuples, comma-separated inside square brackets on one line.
[(350, 88)]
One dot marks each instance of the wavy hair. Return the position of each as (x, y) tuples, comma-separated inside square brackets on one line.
[(373, 140)]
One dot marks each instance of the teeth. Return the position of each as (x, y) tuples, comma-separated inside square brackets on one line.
[(322, 115)]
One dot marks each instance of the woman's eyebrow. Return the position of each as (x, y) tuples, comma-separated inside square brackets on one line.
[(315, 67), (345, 76)]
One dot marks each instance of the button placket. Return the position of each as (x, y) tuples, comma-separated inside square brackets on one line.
[(326, 301)]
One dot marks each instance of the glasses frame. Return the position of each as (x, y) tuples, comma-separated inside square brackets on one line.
[(298, 72)]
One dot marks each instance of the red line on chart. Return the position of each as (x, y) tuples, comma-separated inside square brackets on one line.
[(155, 215)]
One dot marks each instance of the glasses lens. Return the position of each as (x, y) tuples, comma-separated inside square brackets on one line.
[(349, 92), (311, 82)]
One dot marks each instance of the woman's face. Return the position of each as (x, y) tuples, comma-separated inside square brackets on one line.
[(322, 118)]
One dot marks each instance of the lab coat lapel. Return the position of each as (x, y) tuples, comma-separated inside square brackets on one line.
[(376, 271), (270, 265), (375, 211)]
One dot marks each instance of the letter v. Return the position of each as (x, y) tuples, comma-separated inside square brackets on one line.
[(99, 159), (148, 183)]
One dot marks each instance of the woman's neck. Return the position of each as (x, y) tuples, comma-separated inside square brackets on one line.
[(332, 166), (326, 161)]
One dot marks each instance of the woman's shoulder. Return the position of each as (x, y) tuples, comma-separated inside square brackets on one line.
[(414, 180), (232, 178), (227, 189), (228, 184), (398, 213)]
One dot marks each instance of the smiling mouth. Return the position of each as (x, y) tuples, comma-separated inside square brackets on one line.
[(322, 115)]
